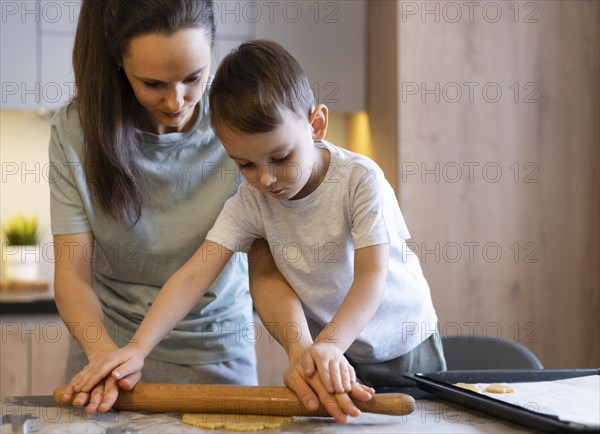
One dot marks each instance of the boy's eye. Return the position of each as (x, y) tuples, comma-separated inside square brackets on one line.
[(193, 79), (245, 165), (280, 160)]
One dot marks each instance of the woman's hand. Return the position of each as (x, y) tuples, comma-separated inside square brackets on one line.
[(312, 392), (101, 378), (336, 374), (103, 396), (78, 303), (118, 363)]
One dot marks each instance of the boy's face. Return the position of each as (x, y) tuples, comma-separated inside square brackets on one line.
[(280, 162)]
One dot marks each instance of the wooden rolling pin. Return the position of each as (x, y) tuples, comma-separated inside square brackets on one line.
[(205, 398)]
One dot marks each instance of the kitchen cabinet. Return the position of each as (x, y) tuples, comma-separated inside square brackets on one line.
[(37, 41), (59, 17), (234, 19), (58, 82), (19, 46), (35, 349), (14, 359), (34, 354), (57, 34), (327, 37)]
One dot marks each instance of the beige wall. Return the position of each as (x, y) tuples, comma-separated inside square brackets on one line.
[(501, 194), (24, 138)]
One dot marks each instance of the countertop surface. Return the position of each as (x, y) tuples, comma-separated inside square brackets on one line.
[(27, 303), (431, 416)]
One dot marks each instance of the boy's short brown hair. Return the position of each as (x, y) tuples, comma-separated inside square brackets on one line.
[(253, 83)]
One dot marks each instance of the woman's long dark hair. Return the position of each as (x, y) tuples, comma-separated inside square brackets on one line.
[(105, 100)]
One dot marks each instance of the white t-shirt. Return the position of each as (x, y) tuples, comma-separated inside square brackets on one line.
[(313, 241)]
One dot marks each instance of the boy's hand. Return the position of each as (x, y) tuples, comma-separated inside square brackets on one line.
[(100, 376), (312, 393), (336, 374)]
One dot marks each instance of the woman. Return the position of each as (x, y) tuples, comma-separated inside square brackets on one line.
[(142, 178)]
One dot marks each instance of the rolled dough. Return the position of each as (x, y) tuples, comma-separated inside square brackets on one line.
[(234, 422)]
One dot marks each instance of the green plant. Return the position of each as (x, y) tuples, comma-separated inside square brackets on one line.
[(21, 231)]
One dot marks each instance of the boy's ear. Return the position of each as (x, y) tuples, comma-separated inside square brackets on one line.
[(318, 119)]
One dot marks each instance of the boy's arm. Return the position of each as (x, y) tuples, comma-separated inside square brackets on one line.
[(179, 294), (278, 305), (363, 298), (357, 309)]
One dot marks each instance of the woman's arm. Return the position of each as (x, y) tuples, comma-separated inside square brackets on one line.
[(173, 302), (76, 300), (277, 304), (79, 307)]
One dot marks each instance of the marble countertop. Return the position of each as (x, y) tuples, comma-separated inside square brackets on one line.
[(431, 416)]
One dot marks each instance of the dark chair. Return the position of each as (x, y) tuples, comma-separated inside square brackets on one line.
[(465, 353)]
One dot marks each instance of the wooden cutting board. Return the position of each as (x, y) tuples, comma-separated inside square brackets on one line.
[(206, 398)]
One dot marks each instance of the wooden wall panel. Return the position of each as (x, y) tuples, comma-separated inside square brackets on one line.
[(49, 356), (382, 87), (14, 361), (501, 192)]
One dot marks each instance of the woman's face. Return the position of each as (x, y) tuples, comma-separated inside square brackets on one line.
[(168, 75)]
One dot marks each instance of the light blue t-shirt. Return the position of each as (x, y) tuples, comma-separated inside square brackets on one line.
[(189, 178)]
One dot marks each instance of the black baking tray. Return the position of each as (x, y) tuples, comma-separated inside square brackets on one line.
[(440, 384)]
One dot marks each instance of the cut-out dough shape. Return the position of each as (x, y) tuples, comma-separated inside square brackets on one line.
[(500, 388), (234, 422), (471, 387)]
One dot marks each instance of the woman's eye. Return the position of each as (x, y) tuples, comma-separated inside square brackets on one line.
[(151, 84), (280, 160), (245, 165)]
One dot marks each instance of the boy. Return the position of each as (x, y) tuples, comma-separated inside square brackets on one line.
[(333, 225)]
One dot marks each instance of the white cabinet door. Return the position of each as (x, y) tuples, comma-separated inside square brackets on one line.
[(60, 16), (36, 46), (236, 19), (59, 23), (19, 45), (33, 354), (14, 360), (235, 22), (58, 82), (328, 38), (49, 356)]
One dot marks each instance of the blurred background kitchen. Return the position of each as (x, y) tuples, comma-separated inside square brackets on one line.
[(484, 116)]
